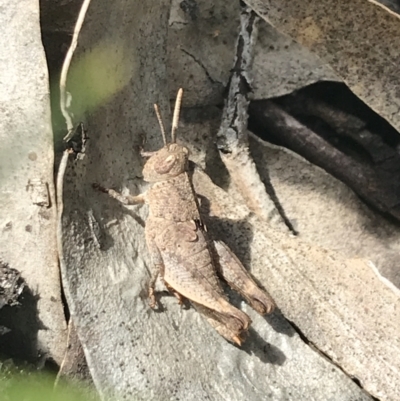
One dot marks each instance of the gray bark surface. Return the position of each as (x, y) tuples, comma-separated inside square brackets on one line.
[(282, 66), (127, 53), (28, 210)]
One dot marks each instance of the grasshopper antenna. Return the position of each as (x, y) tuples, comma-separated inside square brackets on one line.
[(160, 121), (175, 119)]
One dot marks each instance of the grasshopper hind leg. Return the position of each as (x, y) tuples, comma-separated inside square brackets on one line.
[(234, 273), (224, 325)]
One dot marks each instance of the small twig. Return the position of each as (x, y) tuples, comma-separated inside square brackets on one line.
[(64, 160), (65, 355), (60, 206), (65, 69)]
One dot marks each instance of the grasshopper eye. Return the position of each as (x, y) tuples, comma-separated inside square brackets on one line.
[(165, 165)]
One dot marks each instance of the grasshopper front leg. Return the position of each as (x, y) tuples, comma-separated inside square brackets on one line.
[(158, 265), (232, 270), (125, 199)]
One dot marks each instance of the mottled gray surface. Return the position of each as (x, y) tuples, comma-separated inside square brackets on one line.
[(203, 65), (27, 207)]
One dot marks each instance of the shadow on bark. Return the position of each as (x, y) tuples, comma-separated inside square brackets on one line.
[(22, 323)]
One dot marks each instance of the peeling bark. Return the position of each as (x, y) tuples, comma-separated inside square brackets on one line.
[(232, 141)]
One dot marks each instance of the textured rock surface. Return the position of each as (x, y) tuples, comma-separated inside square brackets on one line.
[(280, 64)]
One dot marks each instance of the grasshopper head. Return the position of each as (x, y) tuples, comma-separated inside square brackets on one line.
[(172, 159), (168, 162)]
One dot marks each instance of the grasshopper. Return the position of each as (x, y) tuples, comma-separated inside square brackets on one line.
[(189, 263)]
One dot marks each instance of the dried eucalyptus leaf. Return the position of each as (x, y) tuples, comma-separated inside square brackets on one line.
[(282, 66), (360, 40)]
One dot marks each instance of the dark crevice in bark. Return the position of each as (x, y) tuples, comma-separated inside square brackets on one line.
[(197, 61)]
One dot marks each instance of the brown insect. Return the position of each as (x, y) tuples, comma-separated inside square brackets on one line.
[(188, 262)]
